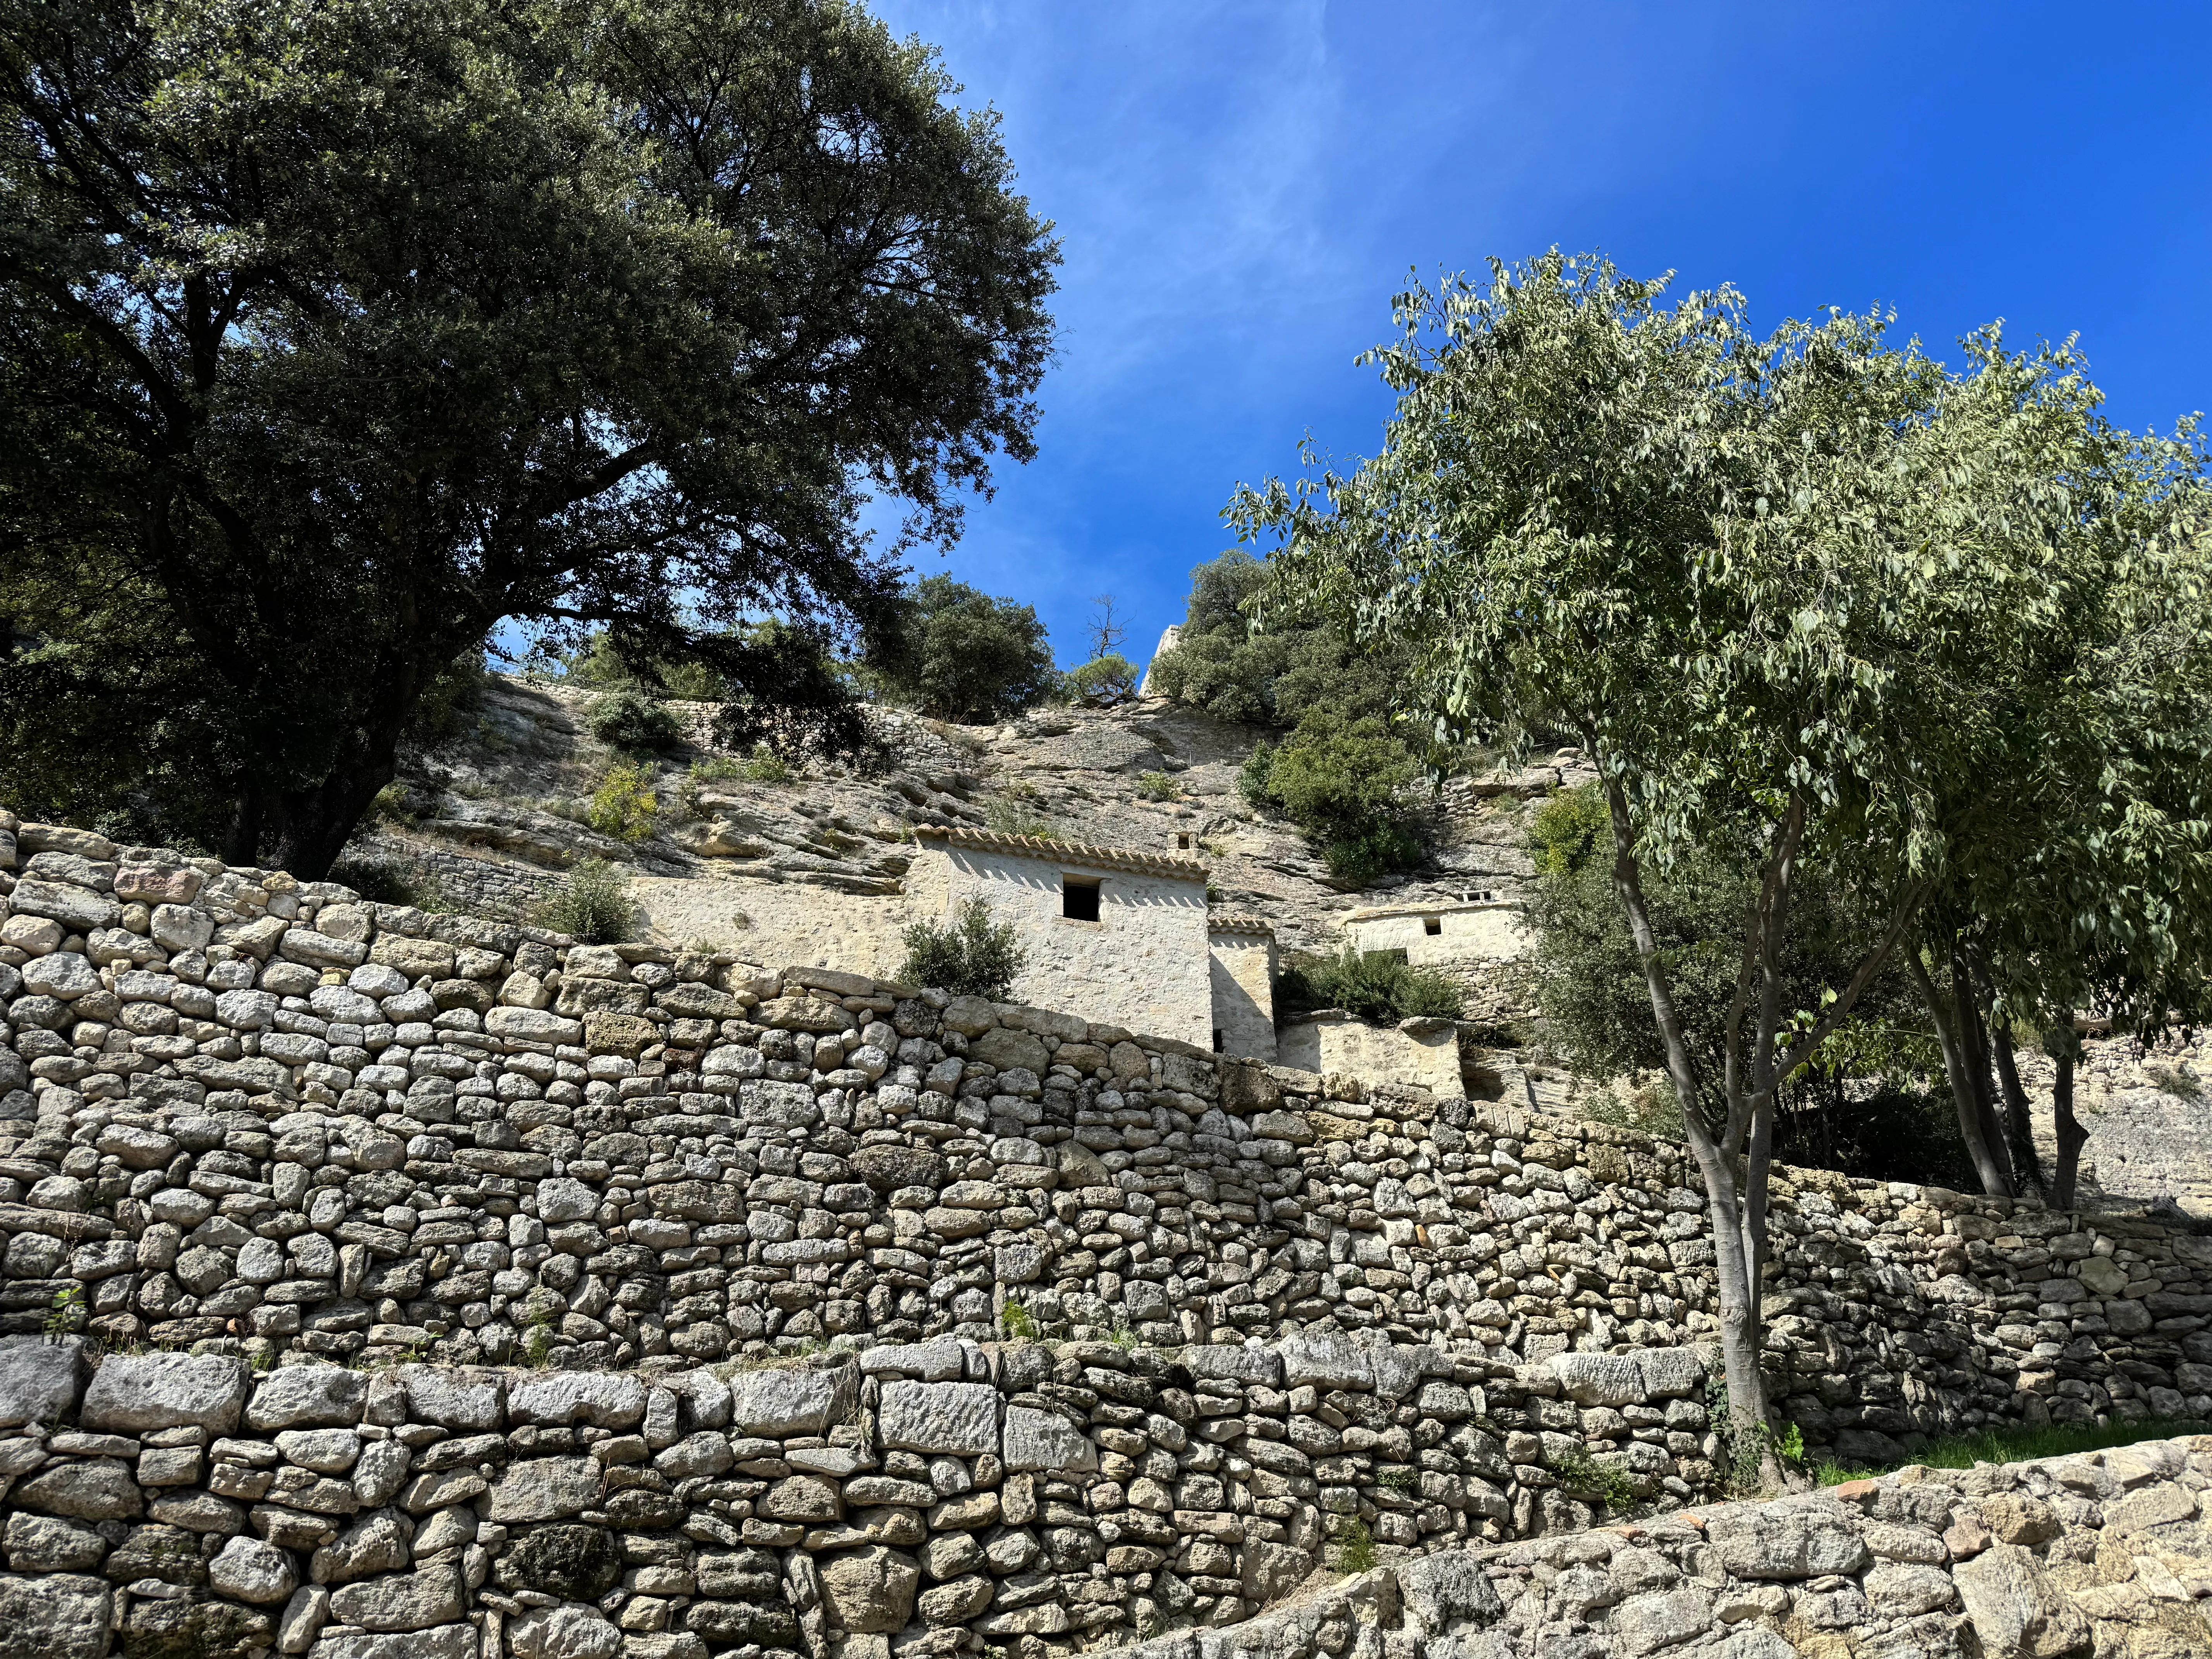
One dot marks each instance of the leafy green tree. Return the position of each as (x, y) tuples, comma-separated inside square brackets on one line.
[(955, 651), (1789, 594), (1102, 681), (1344, 782), (971, 956), (334, 335), (1221, 664), (635, 724)]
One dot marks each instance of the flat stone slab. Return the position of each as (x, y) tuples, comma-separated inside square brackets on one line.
[(132, 1394), (959, 1418)]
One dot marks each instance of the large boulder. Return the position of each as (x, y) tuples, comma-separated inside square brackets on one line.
[(39, 1379), (132, 1394), (54, 1616)]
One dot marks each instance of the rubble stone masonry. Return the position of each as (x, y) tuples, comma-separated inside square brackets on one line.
[(432, 1288)]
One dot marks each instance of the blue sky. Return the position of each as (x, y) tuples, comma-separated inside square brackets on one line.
[(1240, 188)]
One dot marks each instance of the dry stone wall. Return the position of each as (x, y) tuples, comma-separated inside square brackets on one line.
[(2104, 1552), (260, 1122)]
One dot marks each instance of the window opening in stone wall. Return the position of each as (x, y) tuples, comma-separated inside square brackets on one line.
[(1182, 841), (1433, 925), (1079, 898), (1217, 1039)]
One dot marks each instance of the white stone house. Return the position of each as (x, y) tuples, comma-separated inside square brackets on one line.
[(1479, 930), (1117, 935)]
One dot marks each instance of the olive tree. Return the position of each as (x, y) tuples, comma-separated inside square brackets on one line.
[(1780, 588), (335, 335)]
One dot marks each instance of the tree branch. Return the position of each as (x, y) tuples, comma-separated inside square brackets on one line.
[(1840, 1010)]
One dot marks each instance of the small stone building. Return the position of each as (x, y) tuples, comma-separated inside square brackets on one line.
[(1118, 935), (1481, 928)]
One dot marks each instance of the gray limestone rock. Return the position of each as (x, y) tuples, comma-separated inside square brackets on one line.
[(2017, 1612), (601, 1399), (39, 1379), (1046, 1440), (1600, 1379), (420, 1600), (563, 1632), (1440, 1591), (468, 1399), (133, 1393), (870, 1589), (307, 1397), (376, 1543), (1787, 1544), (1647, 1623), (446, 1642), (544, 1489), (247, 1569), (100, 1489), (45, 1543), (960, 1418), (1898, 1591), (784, 1402), (302, 1619), (1325, 1361)]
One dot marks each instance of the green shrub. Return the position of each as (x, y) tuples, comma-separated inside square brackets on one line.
[(1157, 786), (1101, 682), (1341, 781), (1374, 985), (382, 880), (956, 653), (1355, 1547), (1567, 828), (1012, 813), (624, 806), (593, 906), (764, 765), (971, 956), (634, 725)]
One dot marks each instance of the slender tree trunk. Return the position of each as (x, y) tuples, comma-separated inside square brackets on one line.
[(1736, 1290), (1974, 1035), (2020, 1122), (2071, 1136), (1971, 1129)]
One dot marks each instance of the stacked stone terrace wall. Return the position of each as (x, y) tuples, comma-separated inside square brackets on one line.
[(260, 1120)]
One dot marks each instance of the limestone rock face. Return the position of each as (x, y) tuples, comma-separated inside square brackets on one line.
[(98, 1490), (2016, 1611), (307, 1397), (544, 1489), (779, 1402), (1771, 1543), (39, 1379), (133, 1393), (1045, 1440), (54, 1616), (401, 1601), (870, 1589)]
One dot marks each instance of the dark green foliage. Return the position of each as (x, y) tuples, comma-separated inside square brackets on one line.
[(634, 724), (1375, 985), (380, 880), (955, 651), (335, 335), (971, 956), (593, 906), (1342, 782), (1101, 682), (1866, 1106), (1269, 678)]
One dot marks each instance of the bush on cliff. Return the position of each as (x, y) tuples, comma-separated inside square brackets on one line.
[(593, 905), (1342, 782), (955, 651), (971, 956)]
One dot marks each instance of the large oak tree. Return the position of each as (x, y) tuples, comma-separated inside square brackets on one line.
[(335, 335)]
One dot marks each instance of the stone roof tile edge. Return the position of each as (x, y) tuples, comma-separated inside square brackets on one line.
[(1052, 851), (1239, 925)]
